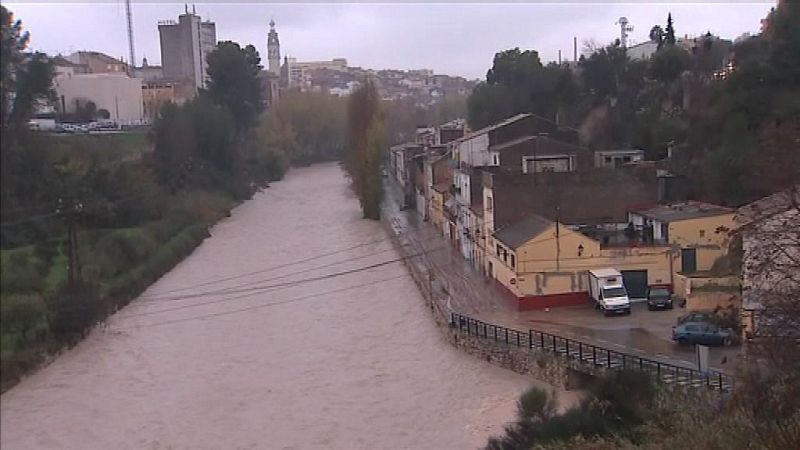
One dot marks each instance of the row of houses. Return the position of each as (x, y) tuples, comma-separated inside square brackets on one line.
[(532, 210)]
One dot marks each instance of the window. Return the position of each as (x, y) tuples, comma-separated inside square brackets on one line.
[(489, 204), (702, 233), (513, 262), (495, 158), (499, 250)]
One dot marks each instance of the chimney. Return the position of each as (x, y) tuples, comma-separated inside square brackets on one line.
[(575, 48)]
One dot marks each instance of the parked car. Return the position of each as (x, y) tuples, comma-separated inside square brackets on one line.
[(697, 317), (659, 297), (702, 333)]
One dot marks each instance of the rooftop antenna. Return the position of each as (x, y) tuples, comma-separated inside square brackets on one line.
[(132, 52), (624, 29)]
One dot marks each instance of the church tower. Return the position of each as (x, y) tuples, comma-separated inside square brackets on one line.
[(273, 50)]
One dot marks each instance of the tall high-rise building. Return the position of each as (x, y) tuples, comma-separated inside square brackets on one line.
[(273, 50), (185, 44)]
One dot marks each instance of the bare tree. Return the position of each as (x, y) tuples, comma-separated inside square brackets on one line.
[(769, 395)]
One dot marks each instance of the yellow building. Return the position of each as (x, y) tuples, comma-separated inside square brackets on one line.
[(698, 232), (540, 263)]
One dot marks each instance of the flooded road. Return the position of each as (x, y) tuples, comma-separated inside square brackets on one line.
[(271, 335)]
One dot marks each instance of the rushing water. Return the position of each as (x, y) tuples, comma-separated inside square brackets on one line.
[(346, 362)]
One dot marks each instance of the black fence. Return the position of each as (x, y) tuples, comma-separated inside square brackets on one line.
[(592, 355)]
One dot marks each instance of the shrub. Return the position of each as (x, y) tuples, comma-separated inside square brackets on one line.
[(122, 249), (536, 404), (20, 314), (20, 273), (620, 402), (75, 307)]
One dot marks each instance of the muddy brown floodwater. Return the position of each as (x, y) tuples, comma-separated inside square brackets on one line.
[(262, 361)]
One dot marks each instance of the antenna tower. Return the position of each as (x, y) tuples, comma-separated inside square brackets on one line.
[(624, 29), (132, 52)]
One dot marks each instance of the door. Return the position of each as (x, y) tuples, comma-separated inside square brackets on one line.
[(635, 282), (688, 260)]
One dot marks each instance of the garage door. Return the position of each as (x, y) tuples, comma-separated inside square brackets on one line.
[(635, 282)]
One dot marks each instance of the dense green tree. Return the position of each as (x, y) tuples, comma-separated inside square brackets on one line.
[(657, 35), (174, 140), (25, 80), (13, 42), (518, 82), (669, 63), (669, 32), (214, 138), (489, 103), (366, 142), (234, 81), (603, 71)]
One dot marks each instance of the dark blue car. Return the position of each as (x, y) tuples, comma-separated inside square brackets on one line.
[(702, 333)]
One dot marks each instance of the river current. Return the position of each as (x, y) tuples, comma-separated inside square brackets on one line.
[(259, 340)]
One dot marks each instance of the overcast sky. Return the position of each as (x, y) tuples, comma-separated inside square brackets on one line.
[(451, 38)]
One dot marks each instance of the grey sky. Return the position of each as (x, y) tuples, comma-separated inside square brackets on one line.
[(451, 38)]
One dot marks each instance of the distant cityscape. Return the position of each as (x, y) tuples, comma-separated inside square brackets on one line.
[(90, 82)]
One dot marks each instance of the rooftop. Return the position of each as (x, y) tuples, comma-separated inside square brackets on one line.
[(492, 127), (769, 206), (683, 211), (523, 231), (619, 152), (542, 138)]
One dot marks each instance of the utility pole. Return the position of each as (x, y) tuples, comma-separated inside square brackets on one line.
[(70, 210), (558, 244)]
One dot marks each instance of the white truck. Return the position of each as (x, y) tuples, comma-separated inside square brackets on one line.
[(608, 291)]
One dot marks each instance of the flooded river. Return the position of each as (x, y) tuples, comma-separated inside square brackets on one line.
[(270, 336)]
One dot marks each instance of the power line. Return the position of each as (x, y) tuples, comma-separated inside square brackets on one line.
[(56, 213), (230, 289), (29, 219), (266, 269), (258, 289), (266, 305)]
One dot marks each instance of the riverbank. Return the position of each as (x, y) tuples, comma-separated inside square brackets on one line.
[(213, 371), (118, 264)]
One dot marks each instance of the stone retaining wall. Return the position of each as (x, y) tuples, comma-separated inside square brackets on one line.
[(543, 366)]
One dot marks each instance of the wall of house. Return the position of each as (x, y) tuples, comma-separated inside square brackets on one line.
[(599, 196), (120, 95), (436, 209), (702, 234), (473, 151), (537, 275)]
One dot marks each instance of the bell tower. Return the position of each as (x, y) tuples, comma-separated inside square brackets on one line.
[(273, 50)]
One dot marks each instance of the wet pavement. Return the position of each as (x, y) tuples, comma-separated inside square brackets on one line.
[(644, 333)]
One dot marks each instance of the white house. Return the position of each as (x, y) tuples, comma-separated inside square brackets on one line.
[(117, 93)]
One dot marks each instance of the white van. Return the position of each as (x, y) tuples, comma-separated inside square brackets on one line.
[(608, 291)]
